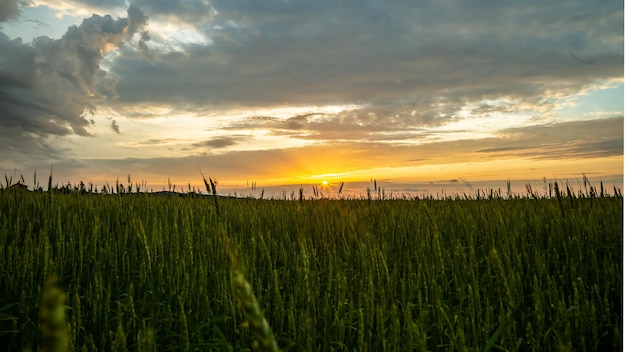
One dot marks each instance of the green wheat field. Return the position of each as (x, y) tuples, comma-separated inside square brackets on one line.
[(83, 271)]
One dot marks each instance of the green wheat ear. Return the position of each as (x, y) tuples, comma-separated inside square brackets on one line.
[(53, 325), (260, 328)]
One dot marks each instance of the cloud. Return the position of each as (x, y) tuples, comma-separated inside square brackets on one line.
[(137, 22), (115, 127), (9, 9), (221, 142), (194, 11), (137, 19), (583, 143), (80, 8), (108, 4), (566, 140), (154, 142), (392, 58), (26, 151), (50, 87), (401, 68), (369, 122)]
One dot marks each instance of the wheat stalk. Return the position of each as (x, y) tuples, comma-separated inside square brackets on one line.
[(260, 328), (53, 323)]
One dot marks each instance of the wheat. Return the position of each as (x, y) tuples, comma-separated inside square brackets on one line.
[(53, 323), (246, 301)]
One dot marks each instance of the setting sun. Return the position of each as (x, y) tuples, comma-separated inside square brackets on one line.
[(324, 183)]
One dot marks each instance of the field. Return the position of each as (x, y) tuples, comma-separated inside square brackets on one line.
[(147, 273)]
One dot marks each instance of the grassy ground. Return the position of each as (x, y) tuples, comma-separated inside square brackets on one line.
[(147, 273)]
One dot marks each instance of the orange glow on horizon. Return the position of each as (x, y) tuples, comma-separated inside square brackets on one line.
[(318, 166), (491, 170)]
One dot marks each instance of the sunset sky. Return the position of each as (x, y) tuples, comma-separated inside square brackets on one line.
[(290, 93)]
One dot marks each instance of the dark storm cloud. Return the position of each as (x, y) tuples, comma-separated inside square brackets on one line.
[(50, 87), (386, 54), (9, 9), (28, 151), (137, 20)]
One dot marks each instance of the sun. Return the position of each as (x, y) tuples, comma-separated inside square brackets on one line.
[(324, 183)]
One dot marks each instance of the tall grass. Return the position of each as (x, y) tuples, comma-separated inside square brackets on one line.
[(145, 273)]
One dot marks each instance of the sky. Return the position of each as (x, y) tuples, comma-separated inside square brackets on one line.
[(284, 94)]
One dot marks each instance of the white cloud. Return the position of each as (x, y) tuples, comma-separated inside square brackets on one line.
[(82, 8)]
